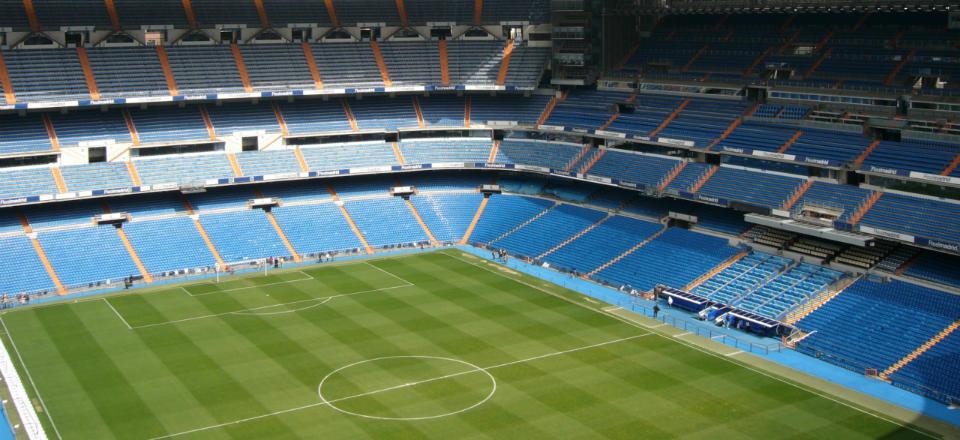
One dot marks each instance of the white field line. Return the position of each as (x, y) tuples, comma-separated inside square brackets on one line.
[(235, 289), (734, 353), (254, 309), (387, 272), (30, 378), (282, 312), (727, 357), (406, 385), (115, 312), (612, 309)]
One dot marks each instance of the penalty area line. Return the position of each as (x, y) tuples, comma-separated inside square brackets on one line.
[(236, 289), (326, 402)]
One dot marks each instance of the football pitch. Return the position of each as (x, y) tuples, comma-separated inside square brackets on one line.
[(438, 345)]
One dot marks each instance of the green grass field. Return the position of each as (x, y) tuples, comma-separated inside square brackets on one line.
[(437, 345)]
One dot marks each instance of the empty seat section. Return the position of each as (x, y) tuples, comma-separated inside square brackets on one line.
[(204, 69), (26, 182), (28, 274), (911, 155), (104, 175), (343, 156), (128, 72), (386, 222), (752, 136), (632, 167), (554, 155), (23, 134), (741, 278), (913, 215), (703, 120), (214, 12), (194, 168), (756, 188), (497, 11), (412, 63), (674, 259), (526, 65), (246, 119), (169, 244), (351, 12), (524, 111), (243, 235), (316, 228), (559, 224), (602, 244), (474, 62), (265, 163), (46, 75), (842, 197), (231, 197), (263, 62), (89, 127), (424, 11), (315, 116), (53, 14), (170, 125), (586, 109), (14, 15), (347, 65), (284, 12), (934, 372), (504, 213), (146, 205), (136, 13), (688, 177), (650, 112), (447, 215), (836, 146), (873, 325), (378, 113), (87, 255), (936, 267), (443, 110), (446, 150)]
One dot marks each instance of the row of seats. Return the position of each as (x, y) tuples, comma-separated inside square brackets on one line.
[(127, 72), (133, 14)]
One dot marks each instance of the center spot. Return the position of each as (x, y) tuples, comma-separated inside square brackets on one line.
[(407, 388)]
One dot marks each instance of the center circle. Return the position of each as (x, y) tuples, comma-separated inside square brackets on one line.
[(407, 388)]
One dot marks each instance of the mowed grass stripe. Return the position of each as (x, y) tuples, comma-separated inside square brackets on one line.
[(240, 366)]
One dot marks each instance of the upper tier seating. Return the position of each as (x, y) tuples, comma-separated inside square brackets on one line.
[(23, 135), (96, 176), (53, 75), (347, 65), (529, 152), (539, 236), (243, 117), (636, 168), (414, 63), (602, 244), (447, 150), (169, 125), (524, 111), (873, 325), (586, 109), (90, 127), (194, 168), (312, 117), (703, 120), (341, 156), (674, 259), (526, 65), (204, 69), (127, 71), (443, 111), (769, 190), (262, 60), (264, 163), (384, 113), (23, 182), (913, 215)]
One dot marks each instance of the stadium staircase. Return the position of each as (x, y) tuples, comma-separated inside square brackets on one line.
[(673, 115), (866, 153), (332, 12), (797, 195), (134, 174), (952, 167), (574, 237), (205, 115), (27, 229), (423, 224), (281, 121), (381, 64), (920, 350), (673, 175), (398, 153), (492, 158), (597, 155), (346, 110), (610, 121), (279, 230), (693, 59), (474, 221), (203, 232), (191, 16), (576, 159), (892, 76), (756, 62), (550, 106), (816, 64), (235, 165), (444, 62), (703, 179), (789, 42), (627, 252), (134, 256), (467, 104), (301, 161), (58, 179), (312, 65), (525, 223), (349, 219), (262, 14), (865, 207), (726, 133), (818, 301), (241, 68), (505, 63), (88, 73), (167, 70), (132, 127), (8, 92), (720, 268), (51, 132), (793, 139), (416, 108)]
